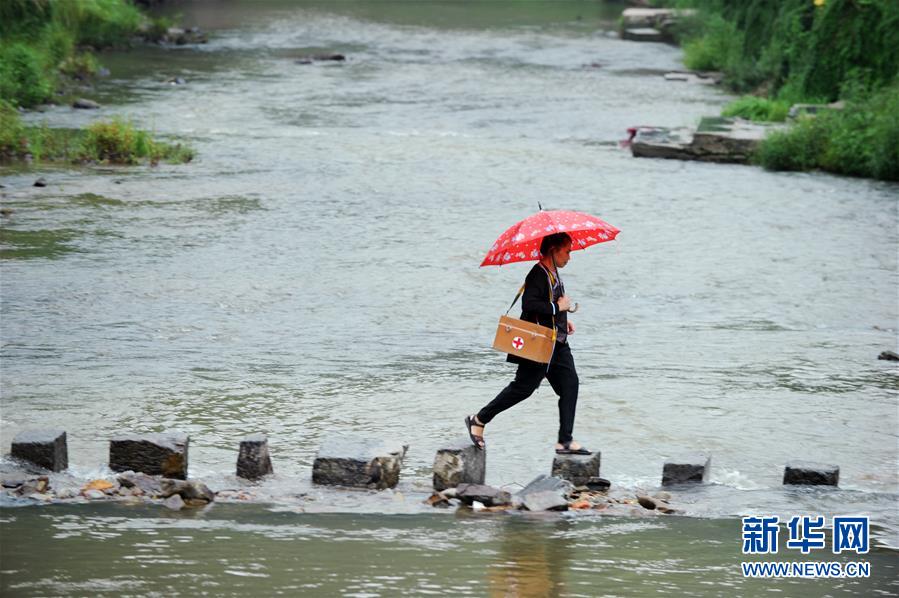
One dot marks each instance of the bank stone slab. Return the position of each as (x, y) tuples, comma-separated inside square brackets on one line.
[(690, 469), (45, 448), (459, 462), (577, 469), (808, 473), (345, 460), (153, 454), (253, 460)]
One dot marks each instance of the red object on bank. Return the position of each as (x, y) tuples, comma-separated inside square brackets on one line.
[(521, 242)]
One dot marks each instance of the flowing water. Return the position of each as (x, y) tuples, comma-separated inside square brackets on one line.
[(315, 270)]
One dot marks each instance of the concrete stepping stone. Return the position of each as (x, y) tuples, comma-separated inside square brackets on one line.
[(807, 473), (253, 460), (344, 460), (153, 454), (44, 448), (459, 462), (577, 469), (692, 469)]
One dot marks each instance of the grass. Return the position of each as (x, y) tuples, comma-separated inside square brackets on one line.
[(105, 142), (42, 42), (758, 109)]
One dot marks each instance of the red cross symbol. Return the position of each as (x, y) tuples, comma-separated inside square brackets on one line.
[(518, 342)]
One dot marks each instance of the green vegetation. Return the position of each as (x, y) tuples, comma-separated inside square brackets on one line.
[(860, 140), (807, 51), (42, 39), (760, 109), (112, 142)]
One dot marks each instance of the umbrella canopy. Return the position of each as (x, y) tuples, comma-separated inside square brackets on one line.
[(521, 241)]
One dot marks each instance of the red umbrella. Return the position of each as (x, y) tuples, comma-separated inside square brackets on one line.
[(521, 242)]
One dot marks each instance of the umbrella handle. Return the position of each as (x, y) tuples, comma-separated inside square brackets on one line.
[(573, 309)]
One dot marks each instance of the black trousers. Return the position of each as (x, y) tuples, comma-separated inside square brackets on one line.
[(562, 377)]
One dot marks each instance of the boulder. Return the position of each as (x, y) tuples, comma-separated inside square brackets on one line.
[(253, 460), (811, 474), (544, 493), (888, 356), (41, 182), (344, 460), (577, 469), (154, 454), (486, 495), (85, 104), (459, 462), (187, 489), (690, 469), (45, 448), (321, 58)]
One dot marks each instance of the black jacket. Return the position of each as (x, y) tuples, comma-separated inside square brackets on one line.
[(540, 306)]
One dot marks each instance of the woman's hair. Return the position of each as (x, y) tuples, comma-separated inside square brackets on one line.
[(552, 242)]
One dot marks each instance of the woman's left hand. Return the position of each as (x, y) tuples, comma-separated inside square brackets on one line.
[(570, 327)]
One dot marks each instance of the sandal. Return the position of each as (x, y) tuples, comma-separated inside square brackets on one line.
[(477, 440), (567, 450)]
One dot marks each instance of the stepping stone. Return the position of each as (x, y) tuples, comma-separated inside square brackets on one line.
[(811, 474), (486, 495), (253, 461), (544, 493), (153, 454), (45, 448), (577, 469), (459, 462), (693, 469), (344, 460)]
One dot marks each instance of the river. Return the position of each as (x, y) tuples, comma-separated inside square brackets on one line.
[(315, 271)]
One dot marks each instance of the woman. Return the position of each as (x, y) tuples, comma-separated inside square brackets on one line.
[(542, 283)]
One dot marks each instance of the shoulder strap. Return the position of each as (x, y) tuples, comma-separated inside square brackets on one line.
[(514, 301)]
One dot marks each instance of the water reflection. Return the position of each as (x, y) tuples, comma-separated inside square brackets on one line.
[(533, 559)]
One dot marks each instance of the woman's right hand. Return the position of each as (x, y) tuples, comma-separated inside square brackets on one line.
[(564, 303)]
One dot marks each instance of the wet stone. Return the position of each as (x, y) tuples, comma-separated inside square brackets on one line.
[(344, 460), (807, 473), (85, 104), (174, 502), (187, 489), (45, 448), (888, 356), (486, 495), (154, 454), (544, 493), (147, 484), (598, 484), (690, 469), (253, 460), (577, 469), (459, 462)]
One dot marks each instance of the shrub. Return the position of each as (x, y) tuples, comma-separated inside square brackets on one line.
[(860, 140), (23, 79), (12, 132), (119, 142)]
